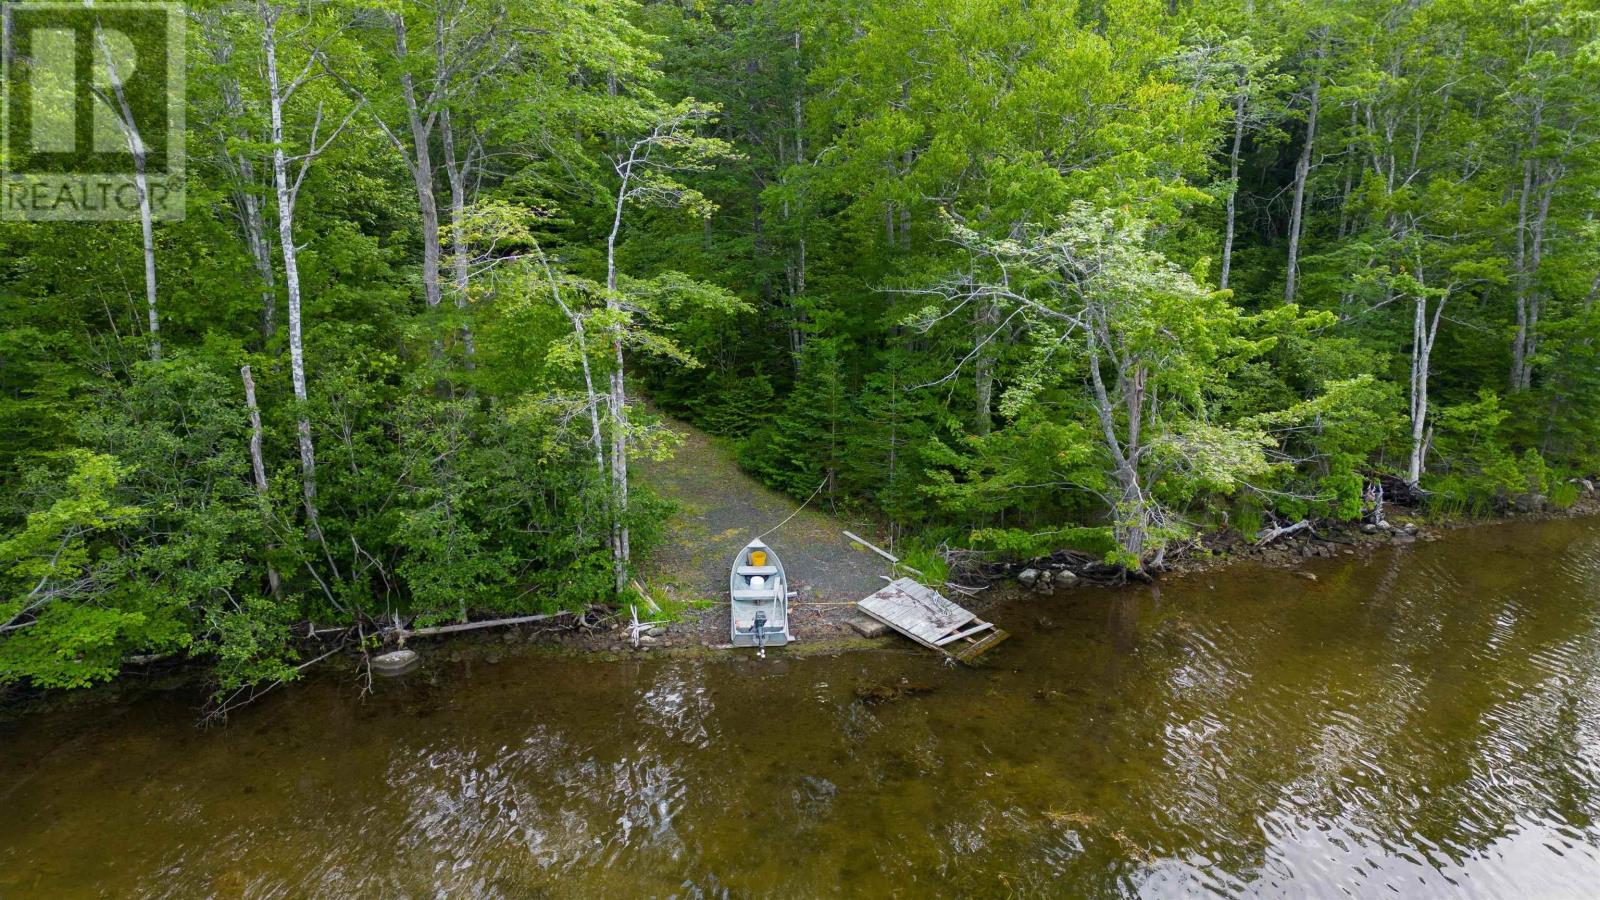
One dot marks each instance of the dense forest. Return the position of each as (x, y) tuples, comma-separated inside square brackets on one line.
[(1011, 276)]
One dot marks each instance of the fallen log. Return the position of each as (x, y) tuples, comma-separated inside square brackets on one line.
[(969, 591), (473, 626), (880, 551), (1280, 532)]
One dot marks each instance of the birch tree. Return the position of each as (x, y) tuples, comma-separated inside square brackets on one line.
[(1302, 168), (1146, 342), (288, 176), (648, 170), (239, 141), (463, 45), (109, 90)]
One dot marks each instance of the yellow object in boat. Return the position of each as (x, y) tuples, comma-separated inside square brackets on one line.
[(758, 557)]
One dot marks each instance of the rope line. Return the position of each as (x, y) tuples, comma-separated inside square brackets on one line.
[(820, 485)]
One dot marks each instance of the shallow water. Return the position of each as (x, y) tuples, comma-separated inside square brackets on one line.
[(1422, 723)]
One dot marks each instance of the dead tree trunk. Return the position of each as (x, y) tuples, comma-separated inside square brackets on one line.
[(258, 466)]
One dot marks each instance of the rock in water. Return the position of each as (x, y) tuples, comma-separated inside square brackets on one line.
[(1066, 578), (1028, 577), (395, 662)]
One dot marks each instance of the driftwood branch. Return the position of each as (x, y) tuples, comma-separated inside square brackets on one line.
[(880, 551), (473, 626), (1282, 531)]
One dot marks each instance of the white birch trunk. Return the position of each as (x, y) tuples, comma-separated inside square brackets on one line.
[(1233, 192), (258, 466), (1424, 331), (420, 163), (285, 192), (618, 399), (1519, 341), (117, 105), (457, 174), (1302, 173)]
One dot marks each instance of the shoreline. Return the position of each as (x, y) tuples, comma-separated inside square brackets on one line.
[(822, 628)]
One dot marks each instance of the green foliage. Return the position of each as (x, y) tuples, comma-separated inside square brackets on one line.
[(1027, 545), (805, 447), (66, 620), (1483, 467), (955, 262), (923, 562)]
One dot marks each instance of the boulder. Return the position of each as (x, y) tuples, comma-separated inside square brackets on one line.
[(1066, 578), (867, 626), (395, 662), (1028, 577), (1529, 503), (1369, 528)]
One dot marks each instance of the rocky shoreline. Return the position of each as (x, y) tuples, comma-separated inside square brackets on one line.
[(831, 627), (1286, 549)]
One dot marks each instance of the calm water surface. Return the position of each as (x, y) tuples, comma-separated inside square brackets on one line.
[(1422, 723)]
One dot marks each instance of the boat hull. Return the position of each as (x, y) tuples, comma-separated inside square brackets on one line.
[(758, 600)]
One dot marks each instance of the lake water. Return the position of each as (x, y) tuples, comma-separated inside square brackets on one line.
[(1422, 722)]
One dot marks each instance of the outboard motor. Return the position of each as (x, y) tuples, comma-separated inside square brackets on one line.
[(761, 635)]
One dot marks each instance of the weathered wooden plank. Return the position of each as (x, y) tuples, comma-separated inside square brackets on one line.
[(916, 611), (981, 626), (922, 615), (966, 653), (903, 633)]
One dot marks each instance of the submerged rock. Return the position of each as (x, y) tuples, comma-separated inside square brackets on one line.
[(884, 692), (395, 662)]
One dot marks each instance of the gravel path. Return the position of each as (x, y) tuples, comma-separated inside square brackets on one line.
[(721, 508)]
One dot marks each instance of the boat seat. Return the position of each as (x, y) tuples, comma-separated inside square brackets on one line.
[(748, 571), (766, 593)]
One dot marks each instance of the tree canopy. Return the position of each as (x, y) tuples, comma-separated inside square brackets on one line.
[(1102, 274)]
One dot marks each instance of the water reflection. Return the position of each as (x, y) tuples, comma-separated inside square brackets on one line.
[(1423, 723)]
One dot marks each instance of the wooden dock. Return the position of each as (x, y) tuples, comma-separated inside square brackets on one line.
[(921, 614)]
